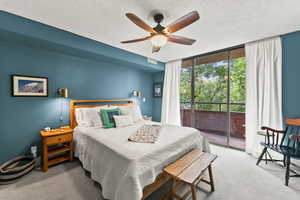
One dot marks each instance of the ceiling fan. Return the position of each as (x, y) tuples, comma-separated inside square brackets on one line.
[(159, 35)]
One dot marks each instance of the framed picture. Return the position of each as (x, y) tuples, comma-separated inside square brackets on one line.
[(29, 86), (157, 89)]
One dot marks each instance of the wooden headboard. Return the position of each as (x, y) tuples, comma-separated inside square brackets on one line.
[(93, 103)]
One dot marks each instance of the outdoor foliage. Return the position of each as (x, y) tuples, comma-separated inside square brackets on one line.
[(211, 85)]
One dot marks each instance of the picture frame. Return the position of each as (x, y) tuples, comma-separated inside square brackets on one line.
[(157, 89), (29, 86)]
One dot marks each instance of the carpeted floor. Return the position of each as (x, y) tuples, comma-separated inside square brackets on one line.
[(236, 177)]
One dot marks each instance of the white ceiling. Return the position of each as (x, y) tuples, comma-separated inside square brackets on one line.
[(222, 24)]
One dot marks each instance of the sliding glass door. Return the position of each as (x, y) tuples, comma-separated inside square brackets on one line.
[(237, 98), (213, 95)]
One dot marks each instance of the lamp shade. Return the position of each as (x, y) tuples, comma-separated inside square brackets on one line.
[(136, 93), (139, 94), (63, 92), (159, 40)]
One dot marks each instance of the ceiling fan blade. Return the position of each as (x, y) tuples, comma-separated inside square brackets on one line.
[(137, 40), (135, 19), (155, 49), (181, 40), (182, 22)]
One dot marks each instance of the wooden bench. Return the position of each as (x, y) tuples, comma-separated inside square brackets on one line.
[(190, 170)]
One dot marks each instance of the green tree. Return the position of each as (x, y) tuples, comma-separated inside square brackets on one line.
[(185, 86), (211, 84)]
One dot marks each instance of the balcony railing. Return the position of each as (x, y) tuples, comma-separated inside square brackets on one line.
[(215, 119), (186, 104)]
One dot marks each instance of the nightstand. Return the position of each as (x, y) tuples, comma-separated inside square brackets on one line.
[(57, 146)]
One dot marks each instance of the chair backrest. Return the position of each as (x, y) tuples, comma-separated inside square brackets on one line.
[(274, 136), (289, 137), (289, 140)]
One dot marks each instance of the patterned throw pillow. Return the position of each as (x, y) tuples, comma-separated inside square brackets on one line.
[(107, 117)]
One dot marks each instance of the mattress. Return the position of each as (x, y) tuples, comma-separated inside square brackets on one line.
[(124, 168)]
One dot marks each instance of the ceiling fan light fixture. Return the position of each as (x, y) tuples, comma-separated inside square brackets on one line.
[(159, 40), (160, 35)]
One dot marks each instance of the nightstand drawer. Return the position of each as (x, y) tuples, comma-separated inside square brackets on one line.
[(58, 139)]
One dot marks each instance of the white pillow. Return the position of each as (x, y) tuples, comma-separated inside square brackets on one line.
[(137, 113), (133, 111), (78, 116), (88, 117), (123, 120), (126, 110)]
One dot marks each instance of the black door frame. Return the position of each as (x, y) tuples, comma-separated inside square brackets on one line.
[(228, 99)]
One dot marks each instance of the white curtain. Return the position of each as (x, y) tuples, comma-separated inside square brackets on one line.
[(171, 94), (264, 90)]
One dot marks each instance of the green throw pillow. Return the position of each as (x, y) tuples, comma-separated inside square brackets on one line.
[(107, 117)]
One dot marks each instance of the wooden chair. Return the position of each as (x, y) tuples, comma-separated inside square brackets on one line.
[(288, 146)]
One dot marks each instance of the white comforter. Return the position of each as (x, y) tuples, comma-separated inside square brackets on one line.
[(124, 168)]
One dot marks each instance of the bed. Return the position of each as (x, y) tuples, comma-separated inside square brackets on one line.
[(128, 170)]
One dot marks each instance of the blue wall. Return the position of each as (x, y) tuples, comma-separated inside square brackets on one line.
[(87, 75), (156, 105), (36, 34), (291, 75)]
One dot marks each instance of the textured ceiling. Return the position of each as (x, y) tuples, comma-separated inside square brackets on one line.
[(222, 23)]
